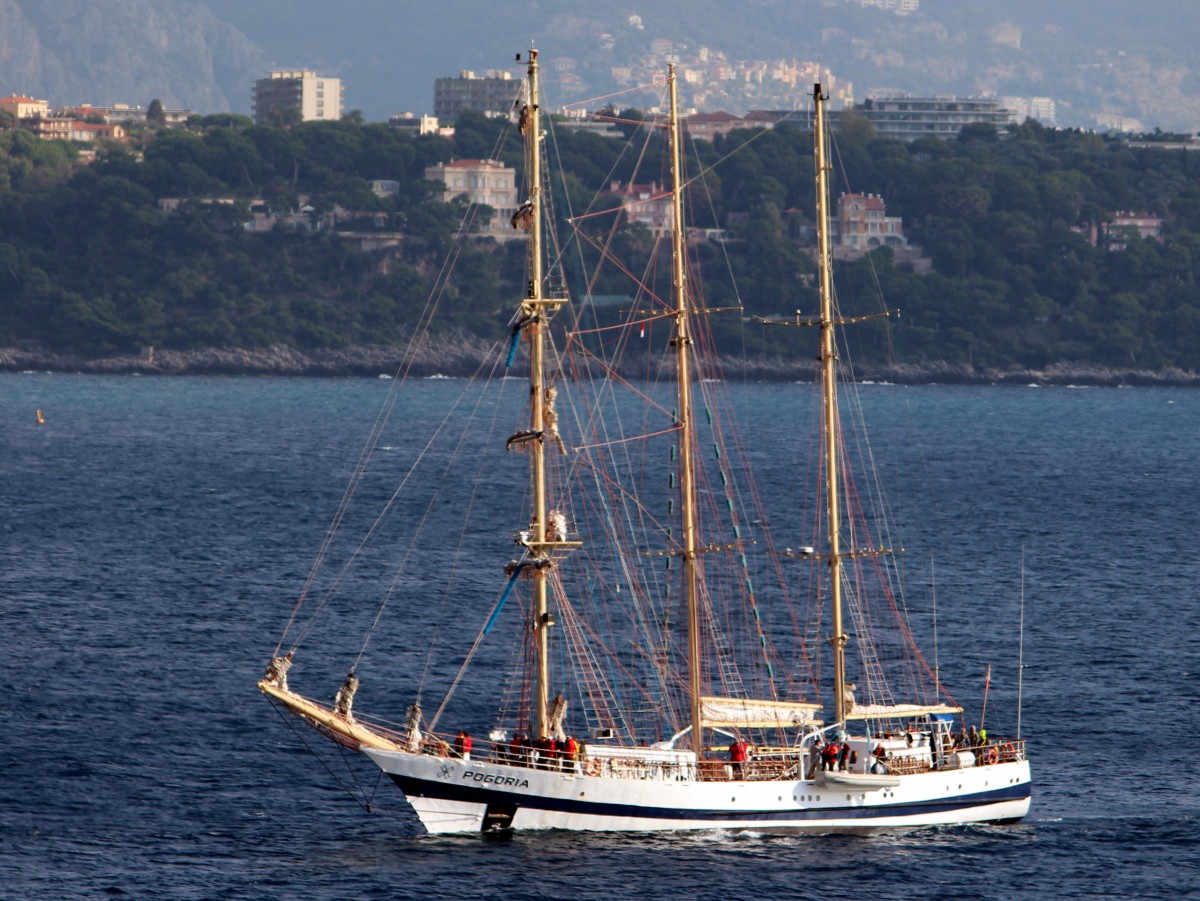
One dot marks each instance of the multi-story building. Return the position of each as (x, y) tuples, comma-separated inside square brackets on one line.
[(91, 132), (412, 124), (486, 182), (120, 113), (863, 225), (50, 128), (908, 118), (1126, 226), (297, 95), (1041, 109), (24, 107), (649, 204), (492, 94), (706, 126), (600, 123)]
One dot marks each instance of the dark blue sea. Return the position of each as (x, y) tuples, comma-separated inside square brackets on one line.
[(154, 533)]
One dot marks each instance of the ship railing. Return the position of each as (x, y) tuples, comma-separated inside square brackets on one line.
[(527, 756), (1003, 750), (753, 770), (907, 766), (508, 753)]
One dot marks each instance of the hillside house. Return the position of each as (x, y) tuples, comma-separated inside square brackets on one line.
[(649, 204), (486, 182), (862, 225)]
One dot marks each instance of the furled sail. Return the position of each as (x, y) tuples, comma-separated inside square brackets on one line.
[(897, 711), (750, 713)]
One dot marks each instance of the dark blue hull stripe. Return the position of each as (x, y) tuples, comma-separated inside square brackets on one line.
[(422, 788)]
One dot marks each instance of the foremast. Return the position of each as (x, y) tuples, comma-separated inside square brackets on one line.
[(687, 474), (828, 359)]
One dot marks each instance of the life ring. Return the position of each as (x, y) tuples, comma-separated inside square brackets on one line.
[(592, 768), (1008, 752), (993, 755)]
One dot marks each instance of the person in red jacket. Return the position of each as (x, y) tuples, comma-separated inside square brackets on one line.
[(738, 752), (829, 756), (463, 744)]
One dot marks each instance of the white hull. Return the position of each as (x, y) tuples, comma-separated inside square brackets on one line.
[(453, 796)]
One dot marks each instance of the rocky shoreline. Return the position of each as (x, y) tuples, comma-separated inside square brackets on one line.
[(464, 356)]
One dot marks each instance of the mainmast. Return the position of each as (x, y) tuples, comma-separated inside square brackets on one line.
[(687, 473), (535, 307), (828, 360)]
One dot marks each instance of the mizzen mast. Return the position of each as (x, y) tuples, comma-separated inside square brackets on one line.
[(687, 468), (828, 360)]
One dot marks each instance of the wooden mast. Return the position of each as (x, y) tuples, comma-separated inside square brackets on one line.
[(535, 301), (829, 397), (687, 474)]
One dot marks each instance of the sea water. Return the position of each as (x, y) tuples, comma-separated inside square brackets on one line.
[(154, 533)]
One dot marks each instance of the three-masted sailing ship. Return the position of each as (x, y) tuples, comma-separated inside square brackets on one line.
[(714, 743)]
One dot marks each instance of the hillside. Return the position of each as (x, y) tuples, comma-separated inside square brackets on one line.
[(1026, 274), (127, 51), (1100, 60)]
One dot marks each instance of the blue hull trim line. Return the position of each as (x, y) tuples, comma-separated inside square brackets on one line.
[(421, 788)]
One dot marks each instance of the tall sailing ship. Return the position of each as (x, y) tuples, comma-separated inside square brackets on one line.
[(649, 690)]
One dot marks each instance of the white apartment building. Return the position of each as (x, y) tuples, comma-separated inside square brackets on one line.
[(302, 93), (907, 118)]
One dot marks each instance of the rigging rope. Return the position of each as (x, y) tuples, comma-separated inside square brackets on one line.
[(304, 741)]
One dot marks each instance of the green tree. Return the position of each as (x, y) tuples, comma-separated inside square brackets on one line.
[(155, 117)]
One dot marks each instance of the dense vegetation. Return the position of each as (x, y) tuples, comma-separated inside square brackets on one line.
[(90, 264)]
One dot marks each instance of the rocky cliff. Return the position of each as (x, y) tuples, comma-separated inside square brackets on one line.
[(130, 51)]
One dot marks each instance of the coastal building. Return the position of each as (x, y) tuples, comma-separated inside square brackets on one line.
[(863, 225), (492, 94), (648, 204), (706, 126), (908, 118), (414, 125), (92, 132), (124, 114), (297, 95), (579, 120), (1126, 226), (24, 107), (49, 128), (1040, 109), (482, 182), (34, 116)]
